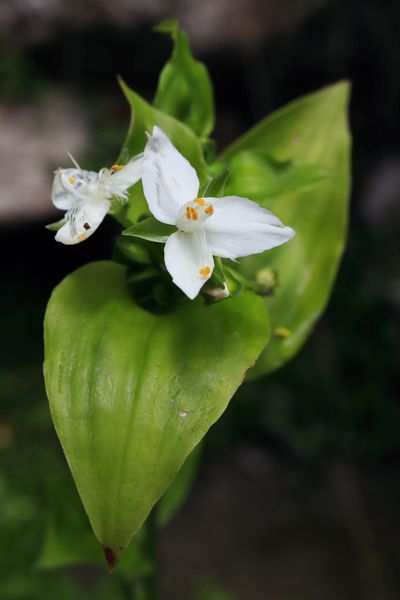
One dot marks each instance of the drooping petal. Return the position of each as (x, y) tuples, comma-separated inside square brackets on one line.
[(239, 227), (169, 180), (82, 221), (189, 261), (69, 185), (121, 180)]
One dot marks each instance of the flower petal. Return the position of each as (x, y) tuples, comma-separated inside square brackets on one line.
[(68, 185), (189, 261), (169, 180), (119, 182), (82, 222), (239, 227)]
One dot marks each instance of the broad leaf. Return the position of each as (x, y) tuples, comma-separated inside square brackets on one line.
[(132, 393), (310, 131), (150, 229), (259, 177), (184, 88)]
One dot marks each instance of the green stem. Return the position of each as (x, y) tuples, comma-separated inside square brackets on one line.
[(146, 588)]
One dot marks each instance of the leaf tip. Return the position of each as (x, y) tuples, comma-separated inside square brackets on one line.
[(110, 557)]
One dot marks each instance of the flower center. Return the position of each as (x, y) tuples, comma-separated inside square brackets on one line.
[(193, 214)]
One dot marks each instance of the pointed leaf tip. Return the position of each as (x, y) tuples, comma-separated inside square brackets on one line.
[(110, 558)]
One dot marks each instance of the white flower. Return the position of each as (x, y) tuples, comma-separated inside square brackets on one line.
[(86, 196), (227, 227)]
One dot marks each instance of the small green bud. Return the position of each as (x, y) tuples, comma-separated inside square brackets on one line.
[(266, 282)]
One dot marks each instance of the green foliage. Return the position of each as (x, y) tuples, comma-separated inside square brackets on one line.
[(184, 88), (260, 177), (143, 118), (177, 492), (150, 229), (310, 131), (132, 393)]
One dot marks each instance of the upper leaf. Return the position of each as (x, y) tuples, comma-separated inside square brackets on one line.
[(143, 118), (184, 87), (310, 131), (132, 393)]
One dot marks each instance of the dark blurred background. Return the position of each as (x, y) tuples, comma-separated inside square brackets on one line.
[(299, 487)]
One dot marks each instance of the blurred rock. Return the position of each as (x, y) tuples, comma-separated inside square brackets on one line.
[(210, 23), (34, 140)]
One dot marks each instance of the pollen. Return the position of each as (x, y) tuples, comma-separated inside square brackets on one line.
[(205, 271), (117, 167), (200, 201), (191, 213), (210, 210), (71, 180)]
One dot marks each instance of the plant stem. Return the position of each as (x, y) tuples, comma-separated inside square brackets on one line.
[(146, 588)]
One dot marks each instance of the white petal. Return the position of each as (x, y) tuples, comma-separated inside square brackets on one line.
[(82, 222), (168, 179), (68, 185), (239, 227), (186, 255), (120, 181)]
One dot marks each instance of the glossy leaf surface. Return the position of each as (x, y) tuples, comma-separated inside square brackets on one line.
[(310, 131), (132, 393)]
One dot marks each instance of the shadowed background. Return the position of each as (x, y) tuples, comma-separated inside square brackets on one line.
[(298, 491)]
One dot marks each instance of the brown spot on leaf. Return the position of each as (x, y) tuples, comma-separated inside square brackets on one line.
[(110, 558)]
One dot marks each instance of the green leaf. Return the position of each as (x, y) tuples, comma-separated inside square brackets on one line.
[(143, 118), (184, 87), (259, 177), (179, 489), (68, 539), (311, 131), (56, 225), (132, 393), (150, 229)]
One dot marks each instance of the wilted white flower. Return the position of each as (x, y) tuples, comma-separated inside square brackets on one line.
[(86, 196)]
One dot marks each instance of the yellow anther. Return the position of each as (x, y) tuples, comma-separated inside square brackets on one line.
[(282, 332), (117, 167), (200, 201), (205, 271), (210, 210), (188, 213), (82, 237), (71, 180), (194, 214)]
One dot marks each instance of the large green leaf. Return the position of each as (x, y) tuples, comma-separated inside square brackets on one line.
[(143, 118), (310, 131), (184, 88), (132, 393)]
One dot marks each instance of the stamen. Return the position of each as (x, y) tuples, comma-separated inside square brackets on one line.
[(200, 201), (210, 210), (188, 213), (71, 180), (194, 214), (117, 167), (205, 271)]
